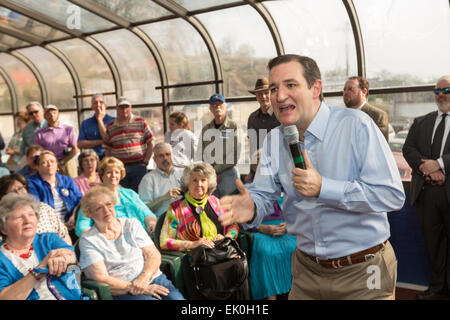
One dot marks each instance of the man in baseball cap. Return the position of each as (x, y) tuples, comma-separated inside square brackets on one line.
[(222, 130)]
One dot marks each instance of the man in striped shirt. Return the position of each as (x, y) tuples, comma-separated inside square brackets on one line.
[(129, 139)]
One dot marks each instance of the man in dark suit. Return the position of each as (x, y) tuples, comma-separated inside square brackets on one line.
[(356, 91), (427, 151)]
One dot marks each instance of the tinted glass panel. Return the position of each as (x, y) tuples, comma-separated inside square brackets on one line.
[(244, 46), (15, 20), (184, 52), (58, 81), (135, 10), (92, 69), (320, 30), (407, 42), (5, 97), (25, 82), (137, 67), (68, 14)]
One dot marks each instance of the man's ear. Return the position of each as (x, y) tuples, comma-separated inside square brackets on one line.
[(317, 88)]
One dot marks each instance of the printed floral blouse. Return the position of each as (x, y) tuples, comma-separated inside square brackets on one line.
[(181, 224)]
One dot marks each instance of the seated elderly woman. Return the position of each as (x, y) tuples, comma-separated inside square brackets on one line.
[(128, 204), (88, 163), (58, 191), (48, 220), (30, 261), (119, 252), (193, 221)]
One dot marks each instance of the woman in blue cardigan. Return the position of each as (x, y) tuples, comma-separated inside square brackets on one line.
[(58, 191), (32, 266)]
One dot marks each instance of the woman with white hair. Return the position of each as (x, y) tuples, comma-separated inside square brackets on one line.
[(29, 259), (193, 221), (88, 162), (119, 252)]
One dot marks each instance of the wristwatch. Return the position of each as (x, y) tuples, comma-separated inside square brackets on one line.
[(37, 275)]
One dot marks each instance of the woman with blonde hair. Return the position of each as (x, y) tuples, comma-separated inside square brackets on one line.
[(128, 205)]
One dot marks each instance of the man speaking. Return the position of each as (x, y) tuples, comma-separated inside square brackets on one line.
[(337, 207)]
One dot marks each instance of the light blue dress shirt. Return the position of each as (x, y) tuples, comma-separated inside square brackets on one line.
[(360, 183)]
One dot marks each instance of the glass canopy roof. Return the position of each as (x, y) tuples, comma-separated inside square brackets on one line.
[(173, 54)]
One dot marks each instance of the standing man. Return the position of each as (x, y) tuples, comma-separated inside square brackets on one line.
[(36, 113), (220, 148), (337, 205), (129, 139), (60, 139), (160, 187), (93, 129), (356, 91), (261, 121), (427, 151)]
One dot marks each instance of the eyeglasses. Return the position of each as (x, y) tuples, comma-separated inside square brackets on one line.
[(443, 90), (16, 190), (33, 112)]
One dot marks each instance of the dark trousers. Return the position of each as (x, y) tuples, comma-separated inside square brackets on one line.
[(134, 174), (433, 209)]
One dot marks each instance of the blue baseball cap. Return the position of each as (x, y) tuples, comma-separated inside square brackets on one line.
[(215, 97)]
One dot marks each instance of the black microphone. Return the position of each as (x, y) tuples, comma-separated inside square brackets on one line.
[(291, 136)]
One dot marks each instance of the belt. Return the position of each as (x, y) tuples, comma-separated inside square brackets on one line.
[(358, 257)]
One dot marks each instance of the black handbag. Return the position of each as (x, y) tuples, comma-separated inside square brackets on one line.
[(221, 272)]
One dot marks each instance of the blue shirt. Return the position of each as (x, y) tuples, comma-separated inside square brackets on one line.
[(89, 131), (129, 205), (67, 190), (360, 183)]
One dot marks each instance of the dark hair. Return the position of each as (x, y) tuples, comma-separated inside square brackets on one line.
[(8, 180), (33, 148), (362, 83), (180, 118), (311, 71)]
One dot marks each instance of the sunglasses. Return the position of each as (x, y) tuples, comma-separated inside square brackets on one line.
[(33, 112), (443, 90)]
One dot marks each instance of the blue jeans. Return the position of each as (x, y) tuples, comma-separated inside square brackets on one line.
[(134, 174), (162, 280)]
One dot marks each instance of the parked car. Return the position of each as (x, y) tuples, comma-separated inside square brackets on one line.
[(391, 132), (403, 166), (401, 134)]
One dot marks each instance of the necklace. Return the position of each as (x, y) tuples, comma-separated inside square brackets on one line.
[(23, 255)]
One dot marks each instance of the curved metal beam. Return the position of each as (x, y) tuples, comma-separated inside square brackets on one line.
[(11, 88), (357, 34), (268, 19), (73, 74), (161, 68), (37, 74), (198, 26), (111, 64)]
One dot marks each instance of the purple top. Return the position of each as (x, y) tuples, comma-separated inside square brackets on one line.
[(83, 184), (56, 139), (277, 214)]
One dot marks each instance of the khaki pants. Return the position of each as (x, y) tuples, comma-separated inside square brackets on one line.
[(371, 280)]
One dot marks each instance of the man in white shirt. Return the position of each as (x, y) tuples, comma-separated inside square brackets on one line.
[(160, 187)]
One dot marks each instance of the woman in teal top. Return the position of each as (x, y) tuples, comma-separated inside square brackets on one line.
[(129, 205)]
